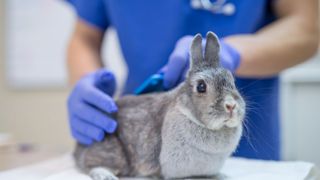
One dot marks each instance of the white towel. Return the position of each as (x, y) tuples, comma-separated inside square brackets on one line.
[(62, 168)]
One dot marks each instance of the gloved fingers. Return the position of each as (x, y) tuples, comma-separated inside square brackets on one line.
[(177, 64), (99, 99), (229, 56), (105, 81), (87, 129), (163, 69), (174, 70), (184, 43), (93, 116), (82, 139), (184, 73)]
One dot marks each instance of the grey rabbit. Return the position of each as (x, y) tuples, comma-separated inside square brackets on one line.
[(187, 132)]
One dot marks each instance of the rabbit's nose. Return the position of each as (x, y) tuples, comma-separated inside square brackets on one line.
[(230, 106)]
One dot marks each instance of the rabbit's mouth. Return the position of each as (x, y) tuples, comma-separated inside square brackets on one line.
[(226, 121), (232, 122), (234, 118)]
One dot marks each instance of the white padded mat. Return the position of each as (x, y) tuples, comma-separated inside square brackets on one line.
[(62, 168)]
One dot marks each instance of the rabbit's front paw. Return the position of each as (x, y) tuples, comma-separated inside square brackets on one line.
[(100, 173)]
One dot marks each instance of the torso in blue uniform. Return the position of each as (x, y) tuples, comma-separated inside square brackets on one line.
[(148, 31)]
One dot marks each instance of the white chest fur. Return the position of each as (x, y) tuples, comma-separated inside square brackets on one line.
[(191, 150)]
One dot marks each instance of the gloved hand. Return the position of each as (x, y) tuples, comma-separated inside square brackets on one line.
[(176, 68), (89, 104)]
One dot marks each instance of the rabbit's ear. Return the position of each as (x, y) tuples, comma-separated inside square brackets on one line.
[(196, 51), (212, 49)]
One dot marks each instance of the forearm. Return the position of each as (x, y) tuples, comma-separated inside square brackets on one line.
[(84, 52), (283, 44), (82, 59)]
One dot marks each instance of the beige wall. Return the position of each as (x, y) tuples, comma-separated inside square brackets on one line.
[(32, 116)]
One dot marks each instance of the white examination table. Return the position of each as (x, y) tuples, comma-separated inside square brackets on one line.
[(62, 168)]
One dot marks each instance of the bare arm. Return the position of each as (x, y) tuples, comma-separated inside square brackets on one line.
[(84, 51), (290, 40)]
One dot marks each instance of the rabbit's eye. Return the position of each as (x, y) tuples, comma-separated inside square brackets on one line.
[(201, 87)]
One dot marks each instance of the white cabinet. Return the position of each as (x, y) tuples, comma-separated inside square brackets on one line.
[(300, 111)]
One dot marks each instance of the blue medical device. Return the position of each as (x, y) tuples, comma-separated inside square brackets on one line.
[(152, 84)]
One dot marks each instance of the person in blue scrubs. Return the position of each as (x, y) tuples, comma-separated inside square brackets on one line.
[(259, 39)]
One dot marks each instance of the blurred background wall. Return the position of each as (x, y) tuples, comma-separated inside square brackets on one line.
[(38, 115), (33, 80)]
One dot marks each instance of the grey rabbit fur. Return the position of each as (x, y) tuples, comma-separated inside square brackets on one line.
[(187, 132)]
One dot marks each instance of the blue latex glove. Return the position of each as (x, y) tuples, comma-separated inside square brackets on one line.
[(89, 104), (178, 64)]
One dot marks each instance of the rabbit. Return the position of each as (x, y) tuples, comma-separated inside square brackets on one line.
[(187, 132)]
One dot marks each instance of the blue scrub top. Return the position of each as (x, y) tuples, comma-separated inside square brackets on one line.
[(148, 31)]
